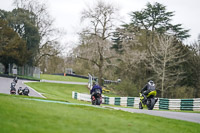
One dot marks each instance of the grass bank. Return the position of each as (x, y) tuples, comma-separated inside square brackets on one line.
[(71, 79), (61, 92), (19, 115), (62, 78)]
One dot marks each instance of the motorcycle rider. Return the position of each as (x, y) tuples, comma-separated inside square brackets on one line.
[(15, 80), (150, 86), (94, 88), (25, 91), (12, 88)]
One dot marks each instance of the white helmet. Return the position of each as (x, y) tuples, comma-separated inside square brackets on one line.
[(150, 82)]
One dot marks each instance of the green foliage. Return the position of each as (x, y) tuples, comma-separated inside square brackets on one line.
[(182, 92), (143, 55), (24, 23), (12, 47), (117, 42), (21, 115), (192, 68), (156, 18), (167, 61), (125, 88)]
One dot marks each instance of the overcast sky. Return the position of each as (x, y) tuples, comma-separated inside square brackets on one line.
[(67, 13)]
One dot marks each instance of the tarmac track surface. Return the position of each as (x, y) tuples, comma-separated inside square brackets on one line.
[(192, 117), (5, 84)]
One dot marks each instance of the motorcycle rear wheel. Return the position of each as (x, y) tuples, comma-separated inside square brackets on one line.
[(93, 102), (151, 104), (98, 101)]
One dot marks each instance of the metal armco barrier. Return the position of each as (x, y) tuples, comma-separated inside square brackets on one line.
[(162, 103)]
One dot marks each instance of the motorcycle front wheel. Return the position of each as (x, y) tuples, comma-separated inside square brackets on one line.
[(140, 106)]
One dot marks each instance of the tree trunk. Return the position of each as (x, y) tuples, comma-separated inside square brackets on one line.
[(101, 71), (100, 76), (162, 82), (162, 86), (163, 76), (6, 66), (197, 89)]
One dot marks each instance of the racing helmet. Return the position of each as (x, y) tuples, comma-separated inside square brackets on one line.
[(150, 82)]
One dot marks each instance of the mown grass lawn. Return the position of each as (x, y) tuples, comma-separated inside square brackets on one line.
[(62, 78), (19, 115), (61, 92), (71, 79), (55, 91)]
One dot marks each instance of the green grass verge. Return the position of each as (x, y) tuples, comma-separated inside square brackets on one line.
[(60, 91), (72, 79), (110, 94), (19, 115), (62, 78), (28, 77)]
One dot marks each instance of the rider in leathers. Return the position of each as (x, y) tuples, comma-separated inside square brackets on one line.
[(150, 86), (95, 86)]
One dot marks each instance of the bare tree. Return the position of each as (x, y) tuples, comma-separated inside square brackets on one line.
[(52, 64), (166, 60), (98, 53), (48, 50), (44, 22), (95, 46), (131, 59)]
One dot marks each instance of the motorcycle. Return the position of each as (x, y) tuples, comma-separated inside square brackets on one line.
[(25, 91), (15, 80), (149, 102), (12, 88), (20, 92), (96, 97)]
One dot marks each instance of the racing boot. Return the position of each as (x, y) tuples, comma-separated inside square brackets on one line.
[(156, 100)]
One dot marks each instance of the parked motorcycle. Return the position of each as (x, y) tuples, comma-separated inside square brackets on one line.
[(96, 97), (149, 102)]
